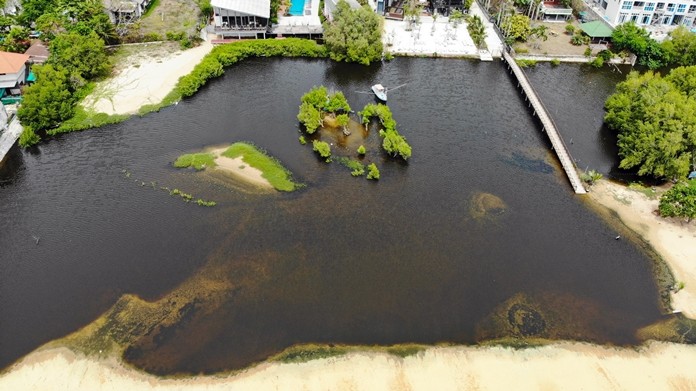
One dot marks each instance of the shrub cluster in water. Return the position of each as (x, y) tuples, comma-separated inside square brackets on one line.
[(393, 142), (318, 102)]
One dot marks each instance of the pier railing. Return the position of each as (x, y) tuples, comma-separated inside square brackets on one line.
[(548, 124)]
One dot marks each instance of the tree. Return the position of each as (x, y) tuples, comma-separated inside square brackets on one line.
[(477, 31), (17, 40), (32, 9), (49, 101), (656, 123), (354, 35), (628, 36), (680, 49), (83, 56), (317, 97), (517, 27), (538, 33), (310, 117), (337, 102), (372, 171), (323, 149), (679, 201)]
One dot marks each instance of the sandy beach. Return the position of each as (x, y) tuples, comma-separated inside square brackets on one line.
[(673, 239), (561, 366), (144, 79)]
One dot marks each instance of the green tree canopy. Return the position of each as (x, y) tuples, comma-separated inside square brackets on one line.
[(354, 35), (628, 36), (80, 55), (17, 40), (49, 101), (517, 27), (680, 48), (310, 117), (656, 122)]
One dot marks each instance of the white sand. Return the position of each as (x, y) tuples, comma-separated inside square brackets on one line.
[(674, 240), (239, 168), (562, 366), (144, 81)]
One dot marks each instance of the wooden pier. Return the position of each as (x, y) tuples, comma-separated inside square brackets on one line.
[(547, 123), (9, 136)]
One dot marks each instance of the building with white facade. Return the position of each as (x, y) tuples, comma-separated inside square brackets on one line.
[(670, 13)]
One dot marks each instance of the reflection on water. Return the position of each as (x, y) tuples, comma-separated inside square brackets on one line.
[(343, 260)]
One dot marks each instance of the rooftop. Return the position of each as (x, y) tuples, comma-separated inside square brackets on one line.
[(12, 62)]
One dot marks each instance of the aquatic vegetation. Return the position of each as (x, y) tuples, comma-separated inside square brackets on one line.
[(271, 168), (590, 177), (372, 171), (358, 169), (186, 197), (323, 149), (199, 161), (393, 142), (361, 150), (303, 141), (318, 104)]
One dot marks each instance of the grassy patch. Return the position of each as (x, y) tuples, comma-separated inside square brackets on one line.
[(199, 161), (271, 169), (640, 188), (405, 350), (86, 119), (517, 343), (358, 169), (526, 63)]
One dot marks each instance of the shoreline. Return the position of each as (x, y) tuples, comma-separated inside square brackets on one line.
[(561, 365), (671, 239)]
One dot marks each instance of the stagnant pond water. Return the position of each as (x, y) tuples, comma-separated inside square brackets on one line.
[(344, 260)]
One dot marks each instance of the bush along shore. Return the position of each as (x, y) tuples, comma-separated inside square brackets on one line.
[(54, 90)]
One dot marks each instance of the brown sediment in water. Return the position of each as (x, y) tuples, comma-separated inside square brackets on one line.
[(486, 206)]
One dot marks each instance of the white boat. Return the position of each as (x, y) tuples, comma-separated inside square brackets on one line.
[(380, 92)]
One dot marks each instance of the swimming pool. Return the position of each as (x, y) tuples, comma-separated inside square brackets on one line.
[(297, 8)]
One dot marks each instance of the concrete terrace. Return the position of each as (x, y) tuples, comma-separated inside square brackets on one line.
[(305, 24), (437, 36)]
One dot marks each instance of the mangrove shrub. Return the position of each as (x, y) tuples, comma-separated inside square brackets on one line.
[(393, 142), (655, 118), (679, 201), (354, 35), (323, 149)]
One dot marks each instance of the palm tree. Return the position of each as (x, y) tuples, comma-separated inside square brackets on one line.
[(477, 31)]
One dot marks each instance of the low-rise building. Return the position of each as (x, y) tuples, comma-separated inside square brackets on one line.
[(241, 18), (13, 71), (125, 11), (649, 13)]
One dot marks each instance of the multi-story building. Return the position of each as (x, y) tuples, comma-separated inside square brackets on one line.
[(654, 13)]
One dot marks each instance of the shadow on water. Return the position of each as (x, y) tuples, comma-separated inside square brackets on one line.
[(344, 260)]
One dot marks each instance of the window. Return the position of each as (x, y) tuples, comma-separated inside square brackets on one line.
[(646, 19), (638, 4), (650, 7), (670, 7), (634, 17), (667, 20), (627, 5), (681, 8), (660, 6), (604, 4), (692, 9), (622, 18)]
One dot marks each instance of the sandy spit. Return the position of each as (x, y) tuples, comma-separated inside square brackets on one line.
[(673, 239), (240, 169), (561, 366), (145, 81)]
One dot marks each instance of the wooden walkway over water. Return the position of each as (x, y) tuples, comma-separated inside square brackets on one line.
[(547, 123)]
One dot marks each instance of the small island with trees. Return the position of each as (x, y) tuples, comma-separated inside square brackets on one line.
[(245, 161), (326, 120)]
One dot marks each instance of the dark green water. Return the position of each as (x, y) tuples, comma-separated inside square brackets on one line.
[(344, 260)]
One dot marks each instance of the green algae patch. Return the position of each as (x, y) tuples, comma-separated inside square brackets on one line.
[(271, 168), (199, 161), (309, 352)]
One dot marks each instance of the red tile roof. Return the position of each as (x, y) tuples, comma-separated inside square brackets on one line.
[(12, 62)]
